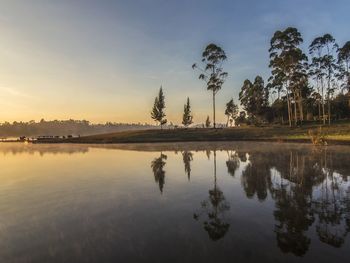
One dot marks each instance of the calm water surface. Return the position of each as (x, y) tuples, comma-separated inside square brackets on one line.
[(216, 202)]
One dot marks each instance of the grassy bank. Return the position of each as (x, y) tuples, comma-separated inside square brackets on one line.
[(335, 134)]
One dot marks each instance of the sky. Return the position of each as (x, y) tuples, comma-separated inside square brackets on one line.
[(106, 60)]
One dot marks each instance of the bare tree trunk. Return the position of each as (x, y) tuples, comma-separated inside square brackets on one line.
[(322, 99), (295, 112), (329, 110), (319, 110), (300, 104), (318, 101), (214, 110), (295, 94), (329, 99), (289, 113)]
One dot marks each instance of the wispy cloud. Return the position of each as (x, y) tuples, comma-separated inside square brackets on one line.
[(15, 92)]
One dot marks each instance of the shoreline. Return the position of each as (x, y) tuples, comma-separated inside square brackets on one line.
[(282, 141), (296, 141), (333, 136)]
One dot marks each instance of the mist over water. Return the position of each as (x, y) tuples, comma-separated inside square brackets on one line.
[(187, 202)]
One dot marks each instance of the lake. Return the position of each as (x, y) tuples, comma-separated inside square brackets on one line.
[(187, 202)]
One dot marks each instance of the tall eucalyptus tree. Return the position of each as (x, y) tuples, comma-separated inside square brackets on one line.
[(212, 71), (287, 62), (331, 68), (231, 111), (317, 70), (254, 98), (344, 65), (323, 67)]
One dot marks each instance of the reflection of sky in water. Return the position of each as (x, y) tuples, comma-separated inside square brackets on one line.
[(247, 202)]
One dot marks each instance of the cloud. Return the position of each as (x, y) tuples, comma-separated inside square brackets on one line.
[(15, 93)]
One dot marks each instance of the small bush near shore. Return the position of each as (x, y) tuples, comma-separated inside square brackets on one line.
[(317, 136)]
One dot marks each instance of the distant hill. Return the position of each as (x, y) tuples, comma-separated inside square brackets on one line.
[(65, 127)]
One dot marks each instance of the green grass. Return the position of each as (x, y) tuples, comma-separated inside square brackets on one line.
[(336, 133)]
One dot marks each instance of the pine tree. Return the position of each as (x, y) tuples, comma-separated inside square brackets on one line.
[(207, 122), (154, 112), (157, 112), (187, 116)]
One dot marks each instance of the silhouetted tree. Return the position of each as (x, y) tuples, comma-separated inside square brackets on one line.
[(207, 122), (242, 118), (254, 98), (323, 66), (329, 62), (287, 61), (231, 111), (344, 65), (187, 118), (212, 73), (157, 112), (340, 106), (317, 70)]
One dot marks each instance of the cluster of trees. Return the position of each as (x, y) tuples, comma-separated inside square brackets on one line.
[(158, 111), (211, 72), (64, 127), (313, 87)]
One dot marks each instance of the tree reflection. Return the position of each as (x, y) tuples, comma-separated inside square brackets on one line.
[(332, 207), (207, 153), (256, 178), (187, 159), (232, 163), (213, 210), (158, 171), (309, 188), (294, 216), (305, 187)]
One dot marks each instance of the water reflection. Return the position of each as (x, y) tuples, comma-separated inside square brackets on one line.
[(256, 178), (187, 157), (306, 186), (213, 211), (158, 170), (16, 148), (244, 202), (306, 190), (233, 162), (315, 193)]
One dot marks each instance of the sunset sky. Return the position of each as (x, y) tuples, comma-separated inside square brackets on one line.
[(105, 60)]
